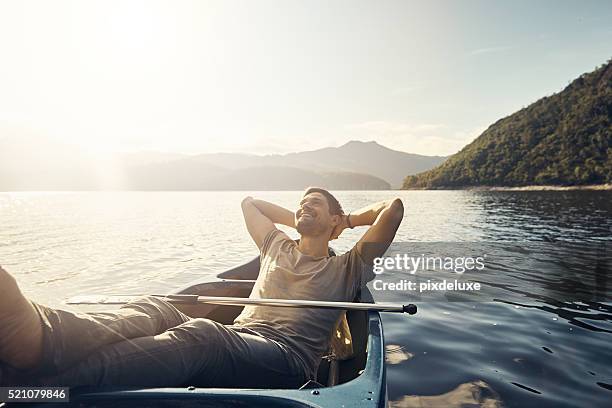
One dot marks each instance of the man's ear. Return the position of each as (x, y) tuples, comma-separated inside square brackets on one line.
[(336, 219)]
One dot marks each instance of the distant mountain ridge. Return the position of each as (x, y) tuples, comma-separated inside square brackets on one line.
[(352, 157), (197, 175), (28, 164), (563, 139)]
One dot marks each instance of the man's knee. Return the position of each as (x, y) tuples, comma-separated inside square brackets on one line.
[(164, 314), (205, 333)]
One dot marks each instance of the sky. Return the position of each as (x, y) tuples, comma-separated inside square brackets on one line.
[(265, 77)]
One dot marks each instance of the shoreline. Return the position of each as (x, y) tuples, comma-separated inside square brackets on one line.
[(589, 187)]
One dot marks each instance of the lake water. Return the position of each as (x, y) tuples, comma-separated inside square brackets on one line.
[(523, 349)]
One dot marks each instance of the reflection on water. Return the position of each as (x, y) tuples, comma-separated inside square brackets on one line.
[(545, 341), (396, 354), (471, 394)]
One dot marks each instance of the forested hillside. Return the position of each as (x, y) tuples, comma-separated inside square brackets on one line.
[(563, 139)]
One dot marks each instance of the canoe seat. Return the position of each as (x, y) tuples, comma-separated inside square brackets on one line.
[(341, 346), (340, 349)]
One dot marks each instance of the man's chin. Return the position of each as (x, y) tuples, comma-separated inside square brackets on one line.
[(303, 229), (307, 228)]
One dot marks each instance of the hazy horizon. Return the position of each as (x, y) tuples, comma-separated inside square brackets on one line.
[(278, 77)]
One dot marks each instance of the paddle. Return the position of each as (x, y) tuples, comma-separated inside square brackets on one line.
[(237, 301)]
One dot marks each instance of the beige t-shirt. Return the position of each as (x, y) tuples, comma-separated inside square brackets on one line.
[(286, 273)]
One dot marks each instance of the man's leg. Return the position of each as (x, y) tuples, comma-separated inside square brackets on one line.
[(200, 352), (70, 337), (21, 334), (251, 360), (51, 340)]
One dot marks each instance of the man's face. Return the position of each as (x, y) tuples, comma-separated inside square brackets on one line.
[(312, 216)]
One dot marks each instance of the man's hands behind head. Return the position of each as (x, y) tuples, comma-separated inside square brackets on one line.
[(339, 228)]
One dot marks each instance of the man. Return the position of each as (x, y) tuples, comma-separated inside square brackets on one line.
[(150, 343)]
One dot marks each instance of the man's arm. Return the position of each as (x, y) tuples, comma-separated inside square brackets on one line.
[(384, 218), (260, 217)]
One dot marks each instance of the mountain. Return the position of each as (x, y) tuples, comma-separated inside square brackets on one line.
[(367, 157), (38, 163), (192, 174), (563, 139), (290, 178), (352, 157)]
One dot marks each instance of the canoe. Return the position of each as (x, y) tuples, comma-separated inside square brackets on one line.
[(359, 381)]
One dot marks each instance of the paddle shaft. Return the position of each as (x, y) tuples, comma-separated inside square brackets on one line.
[(238, 301)]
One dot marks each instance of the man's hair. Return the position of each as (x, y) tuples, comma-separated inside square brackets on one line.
[(334, 206)]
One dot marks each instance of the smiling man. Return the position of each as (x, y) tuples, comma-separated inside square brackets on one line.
[(151, 343)]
